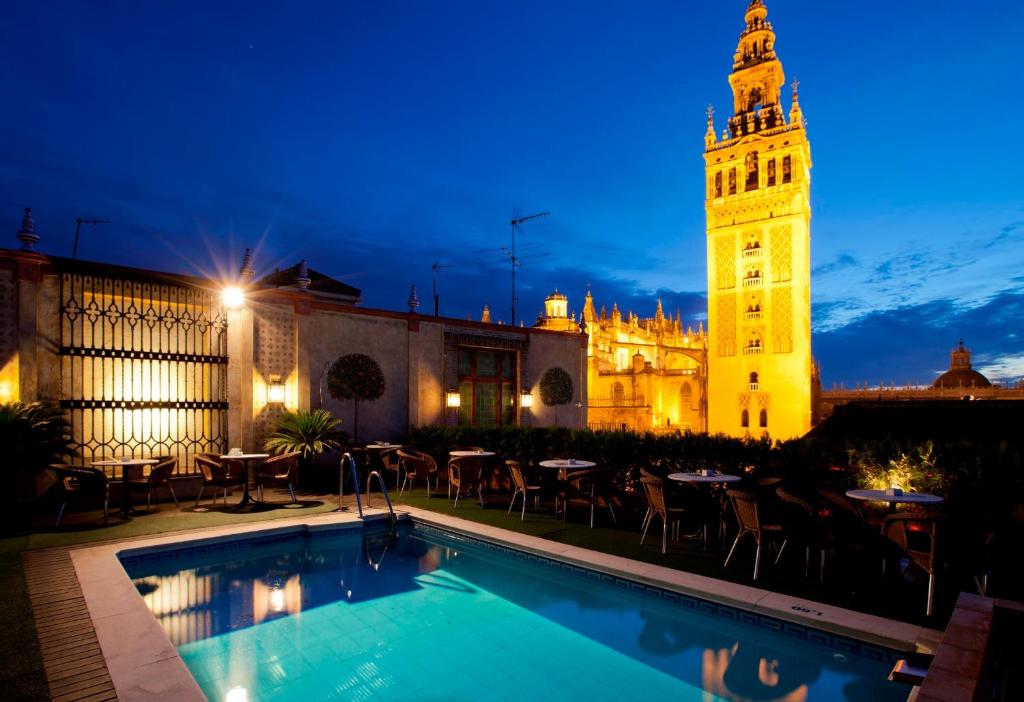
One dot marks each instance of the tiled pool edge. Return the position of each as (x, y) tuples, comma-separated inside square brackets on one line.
[(142, 662), (835, 620), (144, 665)]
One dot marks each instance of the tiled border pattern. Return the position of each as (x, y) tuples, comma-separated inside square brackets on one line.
[(834, 642)]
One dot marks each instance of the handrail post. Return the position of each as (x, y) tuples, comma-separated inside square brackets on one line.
[(355, 482), (383, 489)]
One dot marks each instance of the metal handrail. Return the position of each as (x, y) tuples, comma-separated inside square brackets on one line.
[(383, 489)]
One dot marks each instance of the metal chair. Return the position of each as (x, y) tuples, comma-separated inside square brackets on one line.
[(159, 477), (417, 465), (282, 469), (745, 507), (916, 535), (80, 483), (658, 507), (464, 474), (220, 475), (575, 490), (521, 487)]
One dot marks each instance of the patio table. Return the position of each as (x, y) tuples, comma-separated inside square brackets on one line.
[(701, 478), (125, 464), (917, 498), (247, 459)]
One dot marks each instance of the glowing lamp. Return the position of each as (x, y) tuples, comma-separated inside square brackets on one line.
[(275, 391), (277, 600), (525, 398), (453, 398), (232, 296)]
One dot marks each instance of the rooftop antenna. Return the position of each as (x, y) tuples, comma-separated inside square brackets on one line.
[(515, 222), (433, 273), (78, 226)]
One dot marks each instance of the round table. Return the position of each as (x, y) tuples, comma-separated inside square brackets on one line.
[(247, 460), (565, 464), (125, 464), (917, 498), (470, 454), (701, 478), (383, 447)]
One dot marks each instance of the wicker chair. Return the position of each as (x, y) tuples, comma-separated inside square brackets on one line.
[(282, 470), (521, 487), (804, 522), (748, 517), (78, 484), (219, 474), (417, 465), (464, 474), (658, 507), (390, 462), (159, 477), (589, 487), (916, 536)]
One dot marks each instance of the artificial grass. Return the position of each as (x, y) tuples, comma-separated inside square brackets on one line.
[(21, 671)]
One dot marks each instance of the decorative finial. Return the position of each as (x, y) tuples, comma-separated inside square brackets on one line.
[(710, 113), (27, 234), (246, 272), (302, 279), (414, 300), (486, 315), (795, 85)]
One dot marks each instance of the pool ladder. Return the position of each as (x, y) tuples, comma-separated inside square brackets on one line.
[(347, 458)]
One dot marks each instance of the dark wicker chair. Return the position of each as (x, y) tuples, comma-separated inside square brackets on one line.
[(219, 474), (80, 484), (522, 487), (417, 465), (748, 516), (279, 470), (465, 474), (657, 506), (159, 477), (915, 534), (590, 487)]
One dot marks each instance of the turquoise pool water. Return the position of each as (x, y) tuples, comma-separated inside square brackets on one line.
[(425, 615)]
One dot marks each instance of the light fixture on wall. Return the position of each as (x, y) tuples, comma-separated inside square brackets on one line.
[(275, 391), (232, 296), (452, 398), (525, 398)]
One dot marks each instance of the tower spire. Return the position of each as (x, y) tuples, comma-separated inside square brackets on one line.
[(757, 77)]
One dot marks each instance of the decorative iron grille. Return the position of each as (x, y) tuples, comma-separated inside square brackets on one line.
[(143, 368)]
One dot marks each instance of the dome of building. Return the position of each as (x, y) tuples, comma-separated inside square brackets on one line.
[(960, 373)]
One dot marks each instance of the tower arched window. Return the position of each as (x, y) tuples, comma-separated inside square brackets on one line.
[(618, 394), (787, 169), (718, 184), (762, 419), (744, 419), (752, 171), (753, 381), (732, 181), (771, 171)]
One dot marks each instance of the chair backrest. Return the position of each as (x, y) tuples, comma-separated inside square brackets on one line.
[(907, 530), (211, 468), (389, 458), (517, 474), (78, 477), (417, 462), (842, 503), (744, 504), (465, 468), (161, 472), (654, 490)]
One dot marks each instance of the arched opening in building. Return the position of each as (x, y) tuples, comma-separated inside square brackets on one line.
[(744, 419)]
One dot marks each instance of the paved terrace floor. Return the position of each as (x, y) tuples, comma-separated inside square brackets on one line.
[(50, 649)]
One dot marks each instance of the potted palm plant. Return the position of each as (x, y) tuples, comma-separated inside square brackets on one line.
[(314, 433)]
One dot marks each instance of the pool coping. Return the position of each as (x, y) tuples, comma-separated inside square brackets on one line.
[(144, 664)]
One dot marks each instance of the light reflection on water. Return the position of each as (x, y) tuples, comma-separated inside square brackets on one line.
[(387, 586)]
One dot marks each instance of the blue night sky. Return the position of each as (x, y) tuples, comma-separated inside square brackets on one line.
[(374, 138)]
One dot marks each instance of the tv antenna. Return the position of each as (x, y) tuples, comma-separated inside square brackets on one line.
[(78, 226), (511, 253), (433, 274)]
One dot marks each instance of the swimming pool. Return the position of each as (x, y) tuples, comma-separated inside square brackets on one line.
[(426, 614)]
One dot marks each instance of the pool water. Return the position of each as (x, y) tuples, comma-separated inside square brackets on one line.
[(422, 614)]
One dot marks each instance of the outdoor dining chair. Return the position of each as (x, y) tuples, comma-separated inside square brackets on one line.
[(280, 470), (745, 507), (916, 536), (521, 487), (590, 487), (465, 473), (219, 474), (80, 484), (159, 477), (658, 507), (417, 465)]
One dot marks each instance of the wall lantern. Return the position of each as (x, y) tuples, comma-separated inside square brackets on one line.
[(453, 398), (525, 398), (233, 297), (275, 391)]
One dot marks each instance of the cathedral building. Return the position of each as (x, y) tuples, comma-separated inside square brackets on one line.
[(751, 373), (758, 249)]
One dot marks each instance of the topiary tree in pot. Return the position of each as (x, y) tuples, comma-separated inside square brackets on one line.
[(556, 388), (355, 377)]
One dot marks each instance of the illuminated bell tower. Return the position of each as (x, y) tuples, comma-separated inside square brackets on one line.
[(758, 237)]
